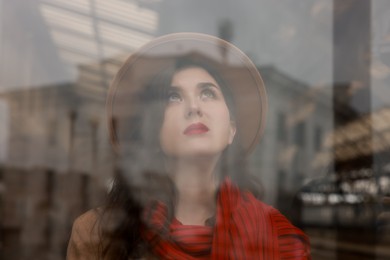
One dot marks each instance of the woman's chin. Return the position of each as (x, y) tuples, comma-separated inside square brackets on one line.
[(196, 153)]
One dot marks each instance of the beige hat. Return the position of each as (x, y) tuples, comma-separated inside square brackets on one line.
[(236, 68)]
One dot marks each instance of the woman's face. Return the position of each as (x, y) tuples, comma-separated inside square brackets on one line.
[(196, 119)]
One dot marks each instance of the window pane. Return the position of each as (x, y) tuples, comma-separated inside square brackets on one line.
[(322, 160)]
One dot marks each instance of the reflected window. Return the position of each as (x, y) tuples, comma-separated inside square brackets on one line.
[(318, 132), (52, 132), (281, 128), (300, 134)]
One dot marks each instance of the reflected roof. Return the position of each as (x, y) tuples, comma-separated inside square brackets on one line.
[(86, 31)]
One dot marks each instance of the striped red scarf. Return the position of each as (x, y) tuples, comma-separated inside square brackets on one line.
[(245, 228)]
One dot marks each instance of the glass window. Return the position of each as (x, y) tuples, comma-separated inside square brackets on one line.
[(323, 159)]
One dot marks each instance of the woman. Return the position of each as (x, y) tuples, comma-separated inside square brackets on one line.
[(185, 111)]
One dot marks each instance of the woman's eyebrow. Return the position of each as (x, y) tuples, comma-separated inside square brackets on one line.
[(207, 84), (174, 88)]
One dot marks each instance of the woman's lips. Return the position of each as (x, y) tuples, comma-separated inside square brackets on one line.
[(197, 128)]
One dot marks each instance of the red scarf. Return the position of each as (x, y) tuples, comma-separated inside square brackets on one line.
[(245, 228)]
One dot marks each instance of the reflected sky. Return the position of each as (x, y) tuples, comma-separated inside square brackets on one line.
[(48, 40)]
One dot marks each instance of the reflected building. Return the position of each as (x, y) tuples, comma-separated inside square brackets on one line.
[(355, 192), (299, 118), (60, 157), (58, 160)]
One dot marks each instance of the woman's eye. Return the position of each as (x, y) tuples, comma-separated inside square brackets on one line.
[(174, 97), (208, 93)]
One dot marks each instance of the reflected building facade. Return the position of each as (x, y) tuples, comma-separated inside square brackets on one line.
[(60, 158)]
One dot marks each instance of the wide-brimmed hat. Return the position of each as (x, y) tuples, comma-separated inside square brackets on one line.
[(233, 65)]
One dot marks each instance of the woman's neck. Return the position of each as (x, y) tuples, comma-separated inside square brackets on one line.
[(196, 183)]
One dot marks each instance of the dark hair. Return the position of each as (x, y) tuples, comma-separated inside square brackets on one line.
[(141, 179)]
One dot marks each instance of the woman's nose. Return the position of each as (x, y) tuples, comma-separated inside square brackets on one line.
[(193, 108)]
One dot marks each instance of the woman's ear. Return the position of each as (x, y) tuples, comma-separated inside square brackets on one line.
[(232, 131)]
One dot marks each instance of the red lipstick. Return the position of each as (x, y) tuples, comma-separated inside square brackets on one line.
[(195, 129)]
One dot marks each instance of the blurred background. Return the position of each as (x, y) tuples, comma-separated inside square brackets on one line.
[(324, 158)]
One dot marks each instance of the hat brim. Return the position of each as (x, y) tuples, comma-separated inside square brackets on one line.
[(236, 68)]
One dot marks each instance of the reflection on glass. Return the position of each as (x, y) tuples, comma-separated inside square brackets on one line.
[(323, 160)]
